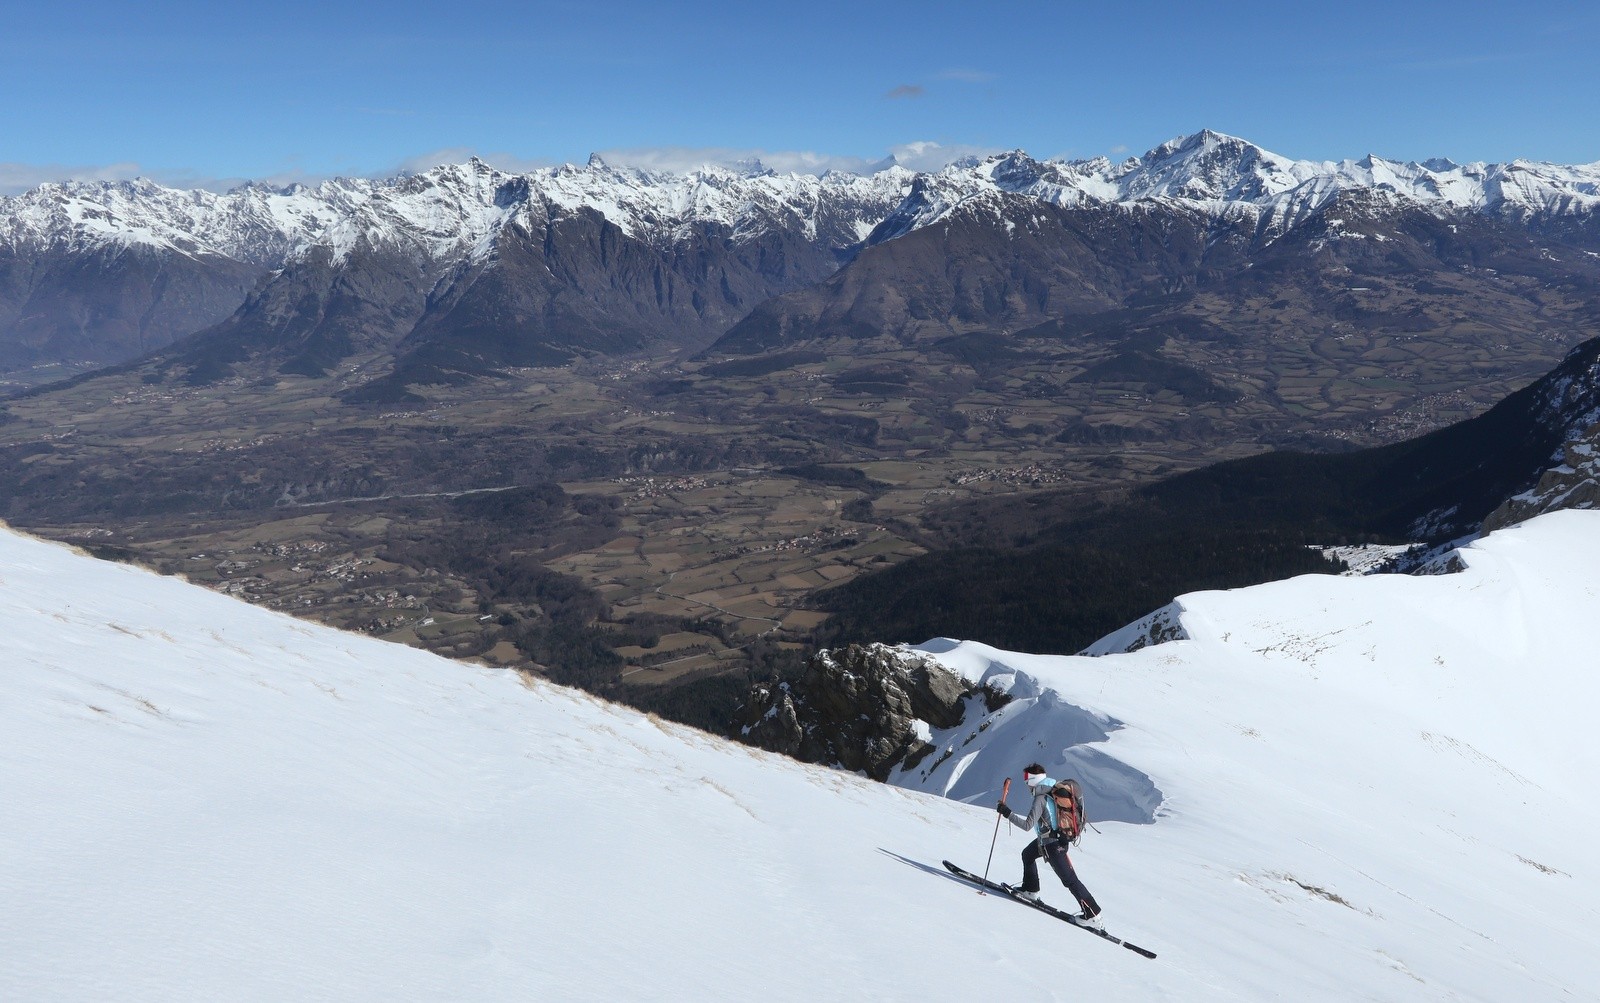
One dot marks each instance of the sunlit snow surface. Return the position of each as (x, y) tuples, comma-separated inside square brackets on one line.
[(1375, 788)]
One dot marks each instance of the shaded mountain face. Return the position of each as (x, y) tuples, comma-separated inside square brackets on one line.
[(97, 273), (1012, 266), (1009, 265), (574, 286), (63, 310), (580, 285), (1435, 488)]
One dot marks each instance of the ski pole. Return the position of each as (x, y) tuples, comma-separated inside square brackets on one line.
[(1005, 789)]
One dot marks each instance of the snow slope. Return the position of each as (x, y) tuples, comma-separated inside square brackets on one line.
[(1385, 781), (1368, 788)]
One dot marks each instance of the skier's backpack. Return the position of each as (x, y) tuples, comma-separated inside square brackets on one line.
[(1068, 797)]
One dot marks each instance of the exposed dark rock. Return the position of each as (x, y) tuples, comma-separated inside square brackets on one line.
[(1575, 483), (865, 708)]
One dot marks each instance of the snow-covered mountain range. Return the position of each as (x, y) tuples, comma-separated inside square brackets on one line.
[(1232, 179), (454, 207), (450, 209), (98, 273), (1332, 788), (93, 273)]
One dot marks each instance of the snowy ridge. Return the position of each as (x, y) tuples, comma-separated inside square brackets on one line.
[(1228, 178), (446, 212), (254, 223), (455, 209), (661, 206), (1334, 788)]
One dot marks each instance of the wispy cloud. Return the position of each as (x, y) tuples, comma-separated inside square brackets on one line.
[(433, 158), (924, 155), (678, 159), (16, 178), (927, 155), (508, 162), (914, 91), (1467, 61), (968, 76), (921, 155)]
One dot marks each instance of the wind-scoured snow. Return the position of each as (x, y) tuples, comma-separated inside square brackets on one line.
[(456, 210), (1334, 788)]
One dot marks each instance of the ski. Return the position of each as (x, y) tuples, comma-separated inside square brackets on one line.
[(1005, 890)]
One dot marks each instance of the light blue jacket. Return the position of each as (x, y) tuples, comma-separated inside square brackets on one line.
[(1041, 818)]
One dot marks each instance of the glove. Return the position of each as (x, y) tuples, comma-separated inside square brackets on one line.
[(1004, 810)]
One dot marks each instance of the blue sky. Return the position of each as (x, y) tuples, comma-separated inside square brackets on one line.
[(204, 93)]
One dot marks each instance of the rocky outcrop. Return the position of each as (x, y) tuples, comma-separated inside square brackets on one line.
[(1565, 409), (865, 708), (1573, 484), (1165, 624)]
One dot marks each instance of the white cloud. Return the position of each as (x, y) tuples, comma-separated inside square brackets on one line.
[(507, 162), (677, 159), (921, 155), (926, 155), (16, 178), (433, 158)]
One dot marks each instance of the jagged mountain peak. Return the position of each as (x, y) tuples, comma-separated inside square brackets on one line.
[(1204, 140), (1210, 166), (1013, 170)]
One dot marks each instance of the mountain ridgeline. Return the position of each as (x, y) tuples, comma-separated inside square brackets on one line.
[(463, 270)]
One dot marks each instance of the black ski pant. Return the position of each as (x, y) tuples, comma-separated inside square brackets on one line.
[(1055, 851)]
